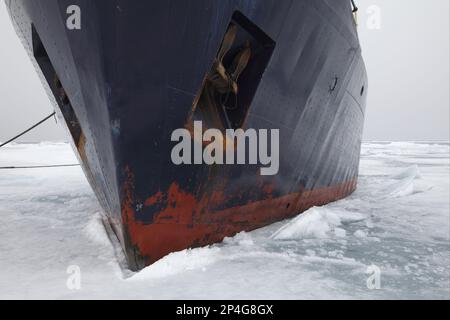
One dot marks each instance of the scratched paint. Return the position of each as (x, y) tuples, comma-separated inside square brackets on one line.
[(187, 222)]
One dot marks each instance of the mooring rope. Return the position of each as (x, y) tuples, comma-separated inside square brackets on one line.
[(354, 7), (38, 166), (355, 11), (28, 130)]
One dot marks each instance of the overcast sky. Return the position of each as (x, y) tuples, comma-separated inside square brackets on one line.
[(407, 60)]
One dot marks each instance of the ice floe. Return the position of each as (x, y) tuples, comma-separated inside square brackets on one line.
[(398, 221)]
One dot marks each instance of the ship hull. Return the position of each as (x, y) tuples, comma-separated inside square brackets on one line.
[(135, 72)]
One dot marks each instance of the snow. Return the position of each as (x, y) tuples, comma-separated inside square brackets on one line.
[(360, 234), (404, 186), (317, 223), (397, 221)]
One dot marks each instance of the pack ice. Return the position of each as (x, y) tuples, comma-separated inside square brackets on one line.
[(397, 220)]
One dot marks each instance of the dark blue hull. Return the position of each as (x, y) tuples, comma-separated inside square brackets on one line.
[(135, 72)]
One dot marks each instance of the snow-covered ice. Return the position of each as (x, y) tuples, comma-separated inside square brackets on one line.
[(398, 220)]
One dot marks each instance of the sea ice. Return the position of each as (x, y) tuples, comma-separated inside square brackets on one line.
[(397, 221)]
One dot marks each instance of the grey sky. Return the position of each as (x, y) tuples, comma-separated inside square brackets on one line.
[(407, 61)]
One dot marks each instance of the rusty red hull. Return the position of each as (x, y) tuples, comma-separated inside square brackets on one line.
[(138, 70), (185, 223)]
